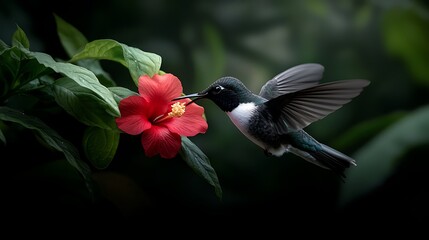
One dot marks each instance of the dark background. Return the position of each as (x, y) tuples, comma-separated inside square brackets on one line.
[(200, 41)]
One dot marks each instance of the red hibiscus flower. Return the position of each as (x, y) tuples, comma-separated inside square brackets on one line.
[(159, 120)]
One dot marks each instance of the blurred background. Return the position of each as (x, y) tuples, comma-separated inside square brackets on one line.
[(386, 128)]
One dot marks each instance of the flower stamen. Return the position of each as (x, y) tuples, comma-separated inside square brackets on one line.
[(177, 110)]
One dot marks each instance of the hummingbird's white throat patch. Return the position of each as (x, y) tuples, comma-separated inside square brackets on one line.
[(241, 115)]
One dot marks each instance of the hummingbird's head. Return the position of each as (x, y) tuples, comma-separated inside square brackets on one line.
[(226, 92)]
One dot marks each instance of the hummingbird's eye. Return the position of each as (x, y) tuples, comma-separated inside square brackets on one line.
[(217, 89)]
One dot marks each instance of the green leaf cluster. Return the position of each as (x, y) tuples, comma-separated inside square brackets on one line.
[(80, 87)]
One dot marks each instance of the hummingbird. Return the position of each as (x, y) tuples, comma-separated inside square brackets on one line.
[(275, 118)]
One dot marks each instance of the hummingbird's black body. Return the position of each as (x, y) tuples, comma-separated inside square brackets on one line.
[(286, 104)]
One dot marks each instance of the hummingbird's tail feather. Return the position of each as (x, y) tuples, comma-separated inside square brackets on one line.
[(333, 160), (302, 144), (327, 158)]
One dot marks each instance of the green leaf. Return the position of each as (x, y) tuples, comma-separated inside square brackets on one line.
[(100, 146), (81, 76), (17, 69), (120, 93), (8, 70), (200, 163), (52, 139), (94, 66), (72, 39), (82, 104), (31, 69), (40, 83), (377, 159), (3, 46), (19, 39), (137, 61), (73, 42)]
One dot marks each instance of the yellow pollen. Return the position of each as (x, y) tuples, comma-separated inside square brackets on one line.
[(177, 109)]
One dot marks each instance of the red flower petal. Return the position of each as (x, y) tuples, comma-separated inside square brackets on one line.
[(190, 123), (160, 88), (159, 140), (134, 117)]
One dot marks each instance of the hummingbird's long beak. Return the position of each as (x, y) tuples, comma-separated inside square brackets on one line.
[(195, 96)]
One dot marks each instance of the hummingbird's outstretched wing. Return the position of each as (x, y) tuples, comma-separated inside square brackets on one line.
[(292, 80), (298, 109)]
